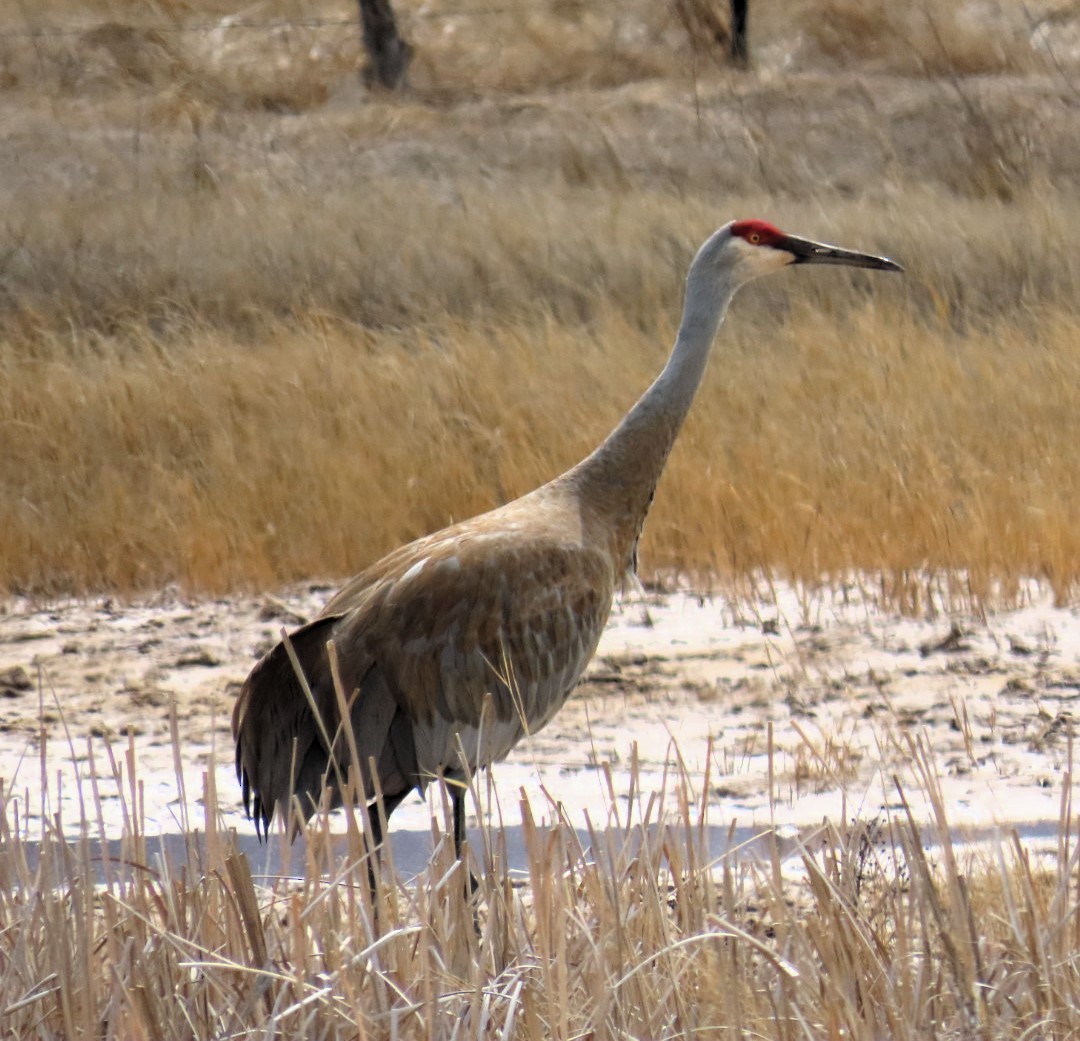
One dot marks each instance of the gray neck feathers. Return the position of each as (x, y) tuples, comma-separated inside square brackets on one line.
[(619, 478)]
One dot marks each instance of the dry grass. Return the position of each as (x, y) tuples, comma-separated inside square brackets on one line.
[(468, 47), (255, 324), (637, 933), (920, 38), (847, 422)]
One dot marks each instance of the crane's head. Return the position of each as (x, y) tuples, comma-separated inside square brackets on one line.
[(755, 247)]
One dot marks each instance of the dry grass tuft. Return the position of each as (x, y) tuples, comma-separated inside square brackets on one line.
[(920, 38)]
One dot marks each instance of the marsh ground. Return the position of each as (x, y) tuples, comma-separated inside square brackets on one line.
[(787, 711)]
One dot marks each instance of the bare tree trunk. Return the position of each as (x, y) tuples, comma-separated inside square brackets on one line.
[(708, 31), (740, 49), (388, 54)]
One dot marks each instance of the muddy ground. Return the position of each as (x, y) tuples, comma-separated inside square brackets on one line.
[(840, 688)]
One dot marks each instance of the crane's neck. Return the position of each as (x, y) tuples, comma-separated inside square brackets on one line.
[(618, 480)]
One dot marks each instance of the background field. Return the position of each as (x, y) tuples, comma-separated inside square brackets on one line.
[(257, 324)]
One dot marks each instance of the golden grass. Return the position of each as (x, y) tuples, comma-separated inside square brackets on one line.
[(904, 426), (638, 933)]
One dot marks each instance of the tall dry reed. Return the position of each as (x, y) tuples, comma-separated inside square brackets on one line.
[(629, 928)]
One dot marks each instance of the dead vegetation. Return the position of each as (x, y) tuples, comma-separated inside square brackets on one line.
[(851, 439), (921, 38), (634, 929)]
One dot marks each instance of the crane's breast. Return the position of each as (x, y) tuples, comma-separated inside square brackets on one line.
[(483, 642)]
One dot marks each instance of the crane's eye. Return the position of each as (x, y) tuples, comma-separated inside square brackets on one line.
[(753, 238)]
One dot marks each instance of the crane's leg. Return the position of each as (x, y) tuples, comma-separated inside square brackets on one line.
[(376, 815), (457, 798), (457, 795)]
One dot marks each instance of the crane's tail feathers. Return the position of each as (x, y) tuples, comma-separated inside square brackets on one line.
[(300, 725), (280, 752)]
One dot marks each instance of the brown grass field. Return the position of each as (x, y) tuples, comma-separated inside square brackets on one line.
[(259, 324)]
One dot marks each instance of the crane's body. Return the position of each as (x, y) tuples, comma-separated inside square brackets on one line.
[(452, 648)]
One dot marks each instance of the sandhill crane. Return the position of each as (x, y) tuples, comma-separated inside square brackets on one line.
[(452, 648)]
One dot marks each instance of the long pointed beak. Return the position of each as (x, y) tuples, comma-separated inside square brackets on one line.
[(807, 252)]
